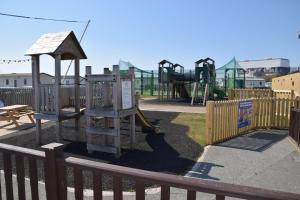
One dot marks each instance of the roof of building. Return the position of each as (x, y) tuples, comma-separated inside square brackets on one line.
[(61, 43), (287, 75), (21, 74), (178, 65), (205, 60), (265, 63), (164, 62), (263, 59)]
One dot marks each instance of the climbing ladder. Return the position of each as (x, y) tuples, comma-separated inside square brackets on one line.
[(106, 137)]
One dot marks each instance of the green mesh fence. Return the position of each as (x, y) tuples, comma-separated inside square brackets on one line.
[(230, 75), (146, 82)]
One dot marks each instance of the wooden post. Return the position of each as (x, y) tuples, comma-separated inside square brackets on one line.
[(88, 101), (107, 103), (132, 117), (206, 94), (142, 83), (152, 84), (209, 121), (230, 94), (57, 88), (116, 102), (55, 174), (159, 82), (77, 96), (292, 94), (35, 63)]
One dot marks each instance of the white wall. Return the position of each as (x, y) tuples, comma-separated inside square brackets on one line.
[(255, 83), (19, 79), (265, 63)]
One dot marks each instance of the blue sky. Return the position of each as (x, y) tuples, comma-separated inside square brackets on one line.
[(147, 31)]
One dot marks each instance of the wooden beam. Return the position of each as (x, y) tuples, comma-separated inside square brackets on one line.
[(132, 117), (58, 96), (117, 106), (77, 96), (35, 64), (88, 103)]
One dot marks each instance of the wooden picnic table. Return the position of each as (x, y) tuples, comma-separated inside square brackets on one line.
[(12, 113)]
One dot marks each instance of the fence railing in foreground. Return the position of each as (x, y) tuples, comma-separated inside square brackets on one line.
[(55, 163), (222, 117), (294, 131)]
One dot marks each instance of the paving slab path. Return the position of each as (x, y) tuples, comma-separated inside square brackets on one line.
[(152, 104)]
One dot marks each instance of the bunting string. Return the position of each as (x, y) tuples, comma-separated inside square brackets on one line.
[(11, 61)]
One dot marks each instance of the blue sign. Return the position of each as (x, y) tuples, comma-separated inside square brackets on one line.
[(245, 113)]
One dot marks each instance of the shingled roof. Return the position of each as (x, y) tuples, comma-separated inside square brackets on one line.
[(62, 43)]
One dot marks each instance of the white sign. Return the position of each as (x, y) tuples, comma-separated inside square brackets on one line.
[(126, 95)]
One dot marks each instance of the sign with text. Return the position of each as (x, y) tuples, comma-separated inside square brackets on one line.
[(126, 95), (245, 113)]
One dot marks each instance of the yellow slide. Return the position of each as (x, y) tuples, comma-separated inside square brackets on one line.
[(141, 121)]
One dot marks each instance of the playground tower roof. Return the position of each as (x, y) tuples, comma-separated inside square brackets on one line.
[(164, 62), (232, 64), (61, 43)]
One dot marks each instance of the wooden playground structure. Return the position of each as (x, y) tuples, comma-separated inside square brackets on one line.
[(194, 86), (61, 46), (109, 96), (111, 107)]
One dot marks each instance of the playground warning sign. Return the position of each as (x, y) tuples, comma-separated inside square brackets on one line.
[(126, 95), (245, 113)]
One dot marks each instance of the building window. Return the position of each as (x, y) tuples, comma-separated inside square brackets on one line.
[(25, 81), (67, 82), (292, 83), (7, 82)]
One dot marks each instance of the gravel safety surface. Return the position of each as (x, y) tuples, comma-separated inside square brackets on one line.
[(170, 151)]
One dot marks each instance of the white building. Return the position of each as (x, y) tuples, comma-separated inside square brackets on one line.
[(255, 83), (265, 67), (69, 80), (22, 79)]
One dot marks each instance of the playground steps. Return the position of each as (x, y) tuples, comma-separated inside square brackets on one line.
[(101, 131), (109, 112)]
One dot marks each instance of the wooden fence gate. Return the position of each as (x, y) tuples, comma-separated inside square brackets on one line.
[(222, 117), (294, 131)]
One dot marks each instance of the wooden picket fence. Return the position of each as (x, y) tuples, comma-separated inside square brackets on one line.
[(222, 117), (24, 96), (246, 93), (11, 96)]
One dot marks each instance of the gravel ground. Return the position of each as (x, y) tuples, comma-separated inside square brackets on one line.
[(169, 151)]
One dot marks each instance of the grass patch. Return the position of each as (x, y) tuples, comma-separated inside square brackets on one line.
[(196, 124)]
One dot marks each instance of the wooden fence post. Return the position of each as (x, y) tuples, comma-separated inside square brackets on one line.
[(209, 121), (230, 94), (55, 175), (292, 94)]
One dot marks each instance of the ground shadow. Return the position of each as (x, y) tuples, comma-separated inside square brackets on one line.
[(162, 158), (171, 150), (202, 169), (256, 141)]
